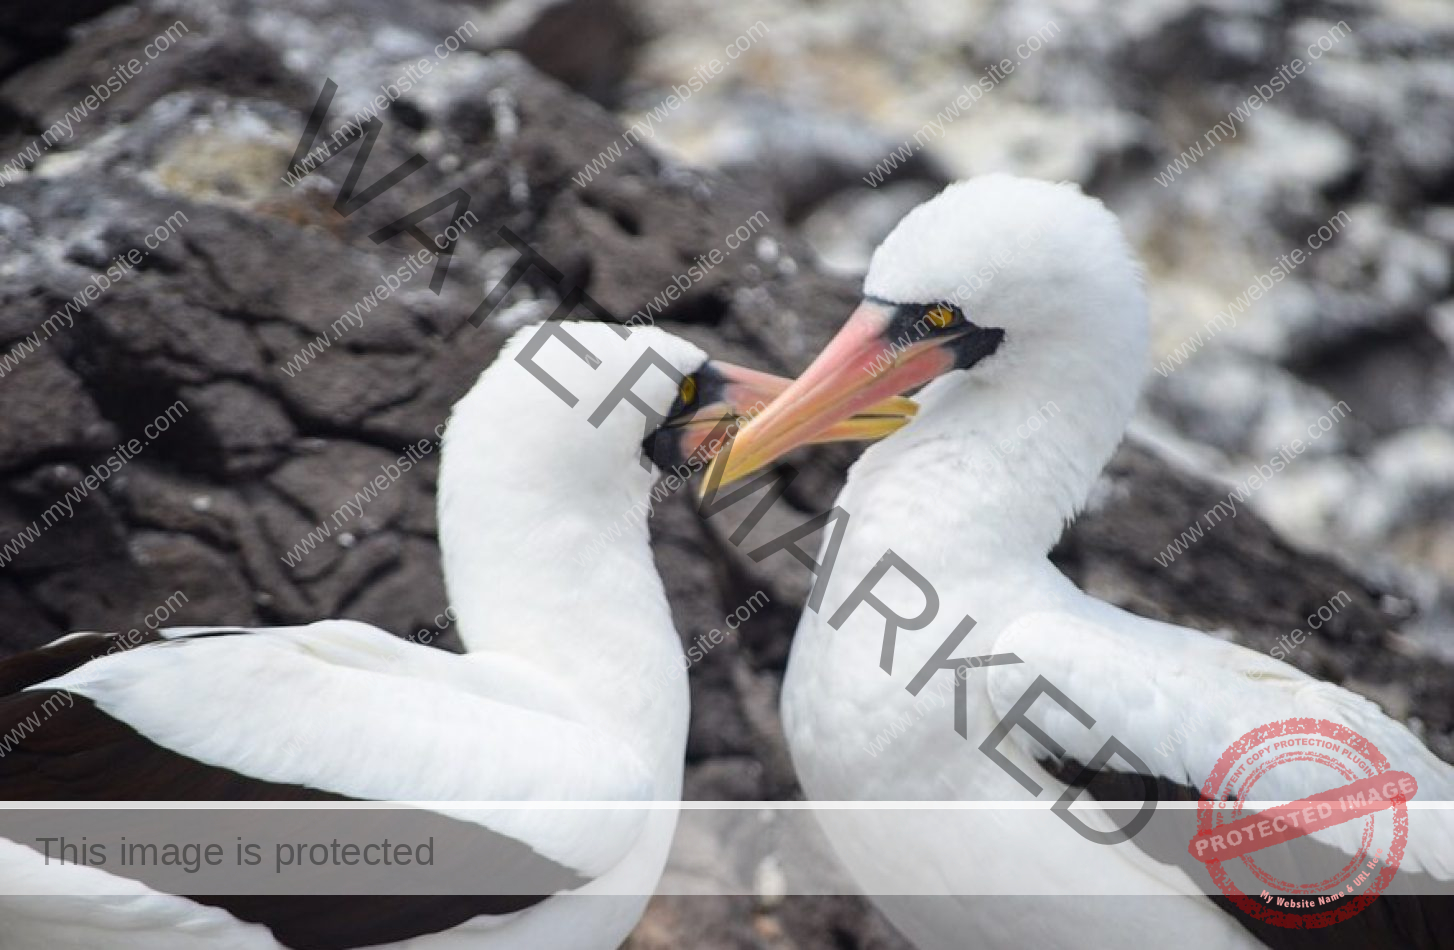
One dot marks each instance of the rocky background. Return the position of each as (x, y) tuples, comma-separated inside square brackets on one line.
[(790, 127)]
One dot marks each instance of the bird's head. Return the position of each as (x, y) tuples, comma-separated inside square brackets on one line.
[(992, 278), (589, 398)]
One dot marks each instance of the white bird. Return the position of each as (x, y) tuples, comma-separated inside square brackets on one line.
[(1008, 296), (570, 689)]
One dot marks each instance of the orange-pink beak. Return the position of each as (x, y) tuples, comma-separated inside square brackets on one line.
[(748, 392), (859, 369)]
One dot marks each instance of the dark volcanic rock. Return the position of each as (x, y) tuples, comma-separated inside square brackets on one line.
[(29, 31)]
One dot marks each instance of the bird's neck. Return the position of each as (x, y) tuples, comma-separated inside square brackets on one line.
[(552, 564), (995, 466)]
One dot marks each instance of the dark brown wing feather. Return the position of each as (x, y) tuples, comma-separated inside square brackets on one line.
[(57, 746), (1421, 920), (37, 666)]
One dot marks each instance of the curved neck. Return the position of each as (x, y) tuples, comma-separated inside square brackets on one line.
[(999, 463), (549, 560)]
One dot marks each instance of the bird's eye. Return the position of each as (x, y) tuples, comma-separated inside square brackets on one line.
[(940, 316), (688, 390)]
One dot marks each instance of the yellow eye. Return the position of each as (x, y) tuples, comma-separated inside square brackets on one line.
[(940, 316), (689, 390)]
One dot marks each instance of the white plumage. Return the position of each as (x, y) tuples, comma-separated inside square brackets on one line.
[(566, 693), (972, 494)]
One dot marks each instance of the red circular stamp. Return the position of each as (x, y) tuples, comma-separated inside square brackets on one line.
[(1347, 778)]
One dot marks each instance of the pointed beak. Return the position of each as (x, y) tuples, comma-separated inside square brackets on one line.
[(859, 369), (744, 393)]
